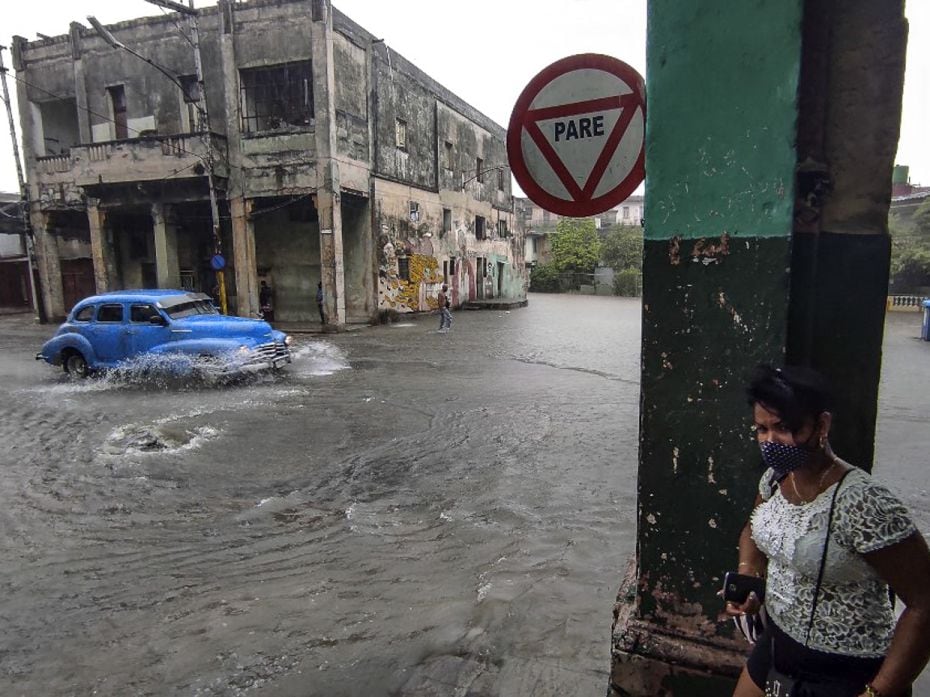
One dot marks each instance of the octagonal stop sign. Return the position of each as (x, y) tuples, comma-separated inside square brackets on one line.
[(577, 133)]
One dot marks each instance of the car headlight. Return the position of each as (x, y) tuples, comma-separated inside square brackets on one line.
[(288, 340), (243, 350)]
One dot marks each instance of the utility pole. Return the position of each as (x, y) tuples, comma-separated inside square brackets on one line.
[(205, 133), (23, 195)]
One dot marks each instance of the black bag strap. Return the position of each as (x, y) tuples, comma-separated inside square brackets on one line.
[(823, 558)]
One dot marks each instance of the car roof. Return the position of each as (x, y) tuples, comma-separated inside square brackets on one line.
[(163, 296)]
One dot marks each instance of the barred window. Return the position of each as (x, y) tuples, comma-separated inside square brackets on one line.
[(480, 230), (277, 98)]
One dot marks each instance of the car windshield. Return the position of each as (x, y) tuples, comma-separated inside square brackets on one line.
[(195, 307)]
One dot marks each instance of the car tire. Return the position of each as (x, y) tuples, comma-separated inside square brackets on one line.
[(75, 364)]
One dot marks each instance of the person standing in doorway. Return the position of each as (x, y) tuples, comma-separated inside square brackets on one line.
[(264, 302), (445, 314), (320, 301)]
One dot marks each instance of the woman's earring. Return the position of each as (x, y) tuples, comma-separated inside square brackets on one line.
[(823, 441)]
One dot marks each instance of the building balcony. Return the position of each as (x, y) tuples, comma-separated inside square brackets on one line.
[(148, 158)]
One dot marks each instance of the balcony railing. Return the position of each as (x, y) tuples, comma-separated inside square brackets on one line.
[(135, 159)]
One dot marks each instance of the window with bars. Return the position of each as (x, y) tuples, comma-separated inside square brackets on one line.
[(502, 228), (118, 108), (414, 212), (403, 268), (479, 170), (276, 98), (191, 103), (480, 230)]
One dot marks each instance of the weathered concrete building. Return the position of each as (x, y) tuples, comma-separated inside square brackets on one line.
[(336, 161), (15, 292), (535, 224)]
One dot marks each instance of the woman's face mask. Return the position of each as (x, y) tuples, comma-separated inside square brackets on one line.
[(781, 449), (783, 458)]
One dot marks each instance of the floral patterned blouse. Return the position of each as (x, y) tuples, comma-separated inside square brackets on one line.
[(854, 615)]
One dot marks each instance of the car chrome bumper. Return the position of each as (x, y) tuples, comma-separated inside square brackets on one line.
[(272, 355)]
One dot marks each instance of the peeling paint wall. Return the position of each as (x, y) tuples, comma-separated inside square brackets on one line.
[(722, 84), (779, 180), (429, 248)]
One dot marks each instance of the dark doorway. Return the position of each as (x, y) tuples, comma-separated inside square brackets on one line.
[(14, 284), (77, 280)]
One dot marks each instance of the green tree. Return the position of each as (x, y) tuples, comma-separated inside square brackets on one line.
[(575, 245), (623, 248), (910, 250), (544, 278)]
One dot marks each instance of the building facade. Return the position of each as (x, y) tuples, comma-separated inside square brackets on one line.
[(535, 224), (335, 162), (15, 291)]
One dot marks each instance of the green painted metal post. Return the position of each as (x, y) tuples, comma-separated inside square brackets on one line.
[(770, 146), (722, 83)]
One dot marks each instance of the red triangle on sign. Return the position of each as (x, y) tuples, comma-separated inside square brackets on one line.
[(627, 103)]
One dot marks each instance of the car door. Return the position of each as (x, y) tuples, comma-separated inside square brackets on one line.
[(143, 335), (110, 333)]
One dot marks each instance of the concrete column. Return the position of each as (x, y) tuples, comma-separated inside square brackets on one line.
[(784, 183), (852, 81), (167, 267), (80, 83), (718, 231), (101, 247), (328, 195), (243, 231), (49, 265)]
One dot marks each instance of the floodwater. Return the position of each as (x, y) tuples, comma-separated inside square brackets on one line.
[(400, 513)]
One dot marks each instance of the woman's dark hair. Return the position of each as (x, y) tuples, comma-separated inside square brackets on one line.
[(795, 393)]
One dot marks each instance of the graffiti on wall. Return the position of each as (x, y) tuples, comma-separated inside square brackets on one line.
[(415, 293)]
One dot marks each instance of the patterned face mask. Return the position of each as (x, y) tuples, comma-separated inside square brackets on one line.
[(784, 459)]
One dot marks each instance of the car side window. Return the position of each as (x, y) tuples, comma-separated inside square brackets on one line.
[(110, 313), (141, 313), (85, 314)]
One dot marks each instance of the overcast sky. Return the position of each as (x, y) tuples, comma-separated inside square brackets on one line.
[(487, 50)]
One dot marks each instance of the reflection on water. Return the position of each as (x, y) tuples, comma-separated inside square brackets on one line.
[(395, 511), (398, 512)]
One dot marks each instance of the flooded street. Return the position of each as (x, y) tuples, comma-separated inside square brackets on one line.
[(400, 513)]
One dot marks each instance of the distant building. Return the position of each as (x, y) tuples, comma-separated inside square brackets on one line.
[(906, 198), (14, 268), (336, 161), (536, 224)]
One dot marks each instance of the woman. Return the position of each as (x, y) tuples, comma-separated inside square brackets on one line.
[(830, 622)]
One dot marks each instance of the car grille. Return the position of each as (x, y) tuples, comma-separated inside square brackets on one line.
[(270, 351)]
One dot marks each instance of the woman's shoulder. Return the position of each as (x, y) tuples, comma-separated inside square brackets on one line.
[(858, 482), (868, 514)]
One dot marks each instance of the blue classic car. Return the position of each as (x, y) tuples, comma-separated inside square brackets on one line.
[(108, 330)]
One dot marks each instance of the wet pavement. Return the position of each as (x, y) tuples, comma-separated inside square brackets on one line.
[(400, 513)]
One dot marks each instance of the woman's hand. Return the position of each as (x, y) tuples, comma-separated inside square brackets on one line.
[(750, 607)]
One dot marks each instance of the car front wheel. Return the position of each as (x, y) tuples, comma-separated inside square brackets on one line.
[(75, 365)]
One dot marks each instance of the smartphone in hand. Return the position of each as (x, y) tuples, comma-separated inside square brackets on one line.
[(737, 587)]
